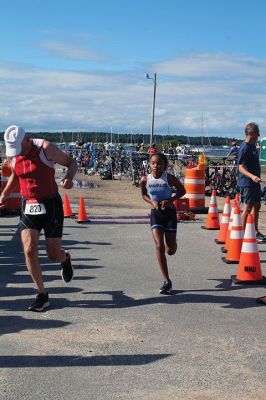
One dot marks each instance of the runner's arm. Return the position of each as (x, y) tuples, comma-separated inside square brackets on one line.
[(59, 157), (173, 181), (144, 193), (11, 185)]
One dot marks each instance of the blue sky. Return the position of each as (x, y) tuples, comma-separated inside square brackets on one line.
[(80, 65)]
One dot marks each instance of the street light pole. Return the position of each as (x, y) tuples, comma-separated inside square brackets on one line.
[(153, 105)]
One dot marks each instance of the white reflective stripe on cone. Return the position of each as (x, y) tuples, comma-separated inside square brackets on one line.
[(235, 234), (227, 209), (232, 212), (231, 218), (250, 232), (197, 181), (213, 209), (237, 220), (249, 247), (195, 196), (225, 219), (230, 224)]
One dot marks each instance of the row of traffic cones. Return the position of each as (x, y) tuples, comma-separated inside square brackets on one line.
[(82, 214), (240, 246)]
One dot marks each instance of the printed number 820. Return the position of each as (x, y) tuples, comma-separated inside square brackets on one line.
[(34, 208)]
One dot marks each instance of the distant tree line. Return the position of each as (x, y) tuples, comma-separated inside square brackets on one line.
[(96, 137)]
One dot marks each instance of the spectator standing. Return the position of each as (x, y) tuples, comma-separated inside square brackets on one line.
[(234, 150), (152, 149), (249, 177)]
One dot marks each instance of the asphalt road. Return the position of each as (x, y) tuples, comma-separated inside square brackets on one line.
[(109, 334)]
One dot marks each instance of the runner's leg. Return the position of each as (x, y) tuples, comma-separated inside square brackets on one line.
[(30, 240), (158, 237), (170, 240), (53, 231), (57, 254), (54, 250)]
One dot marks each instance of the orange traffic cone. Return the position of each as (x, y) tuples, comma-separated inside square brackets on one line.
[(224, 222), (67, 208), (212, 221), (225, 247), (249, 269), (82, 215), (237, 197), (236, 238)]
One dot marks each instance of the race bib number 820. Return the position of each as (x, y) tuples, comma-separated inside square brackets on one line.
[(34, 208)]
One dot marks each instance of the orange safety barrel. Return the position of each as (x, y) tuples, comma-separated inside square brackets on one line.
[(14, 200), (195, 187)]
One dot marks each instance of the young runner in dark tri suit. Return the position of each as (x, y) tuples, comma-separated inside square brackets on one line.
[(160, 189)]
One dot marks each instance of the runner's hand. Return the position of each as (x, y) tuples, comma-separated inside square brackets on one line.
[(2, 202), (66, 183), (165, 204), (155, 204)]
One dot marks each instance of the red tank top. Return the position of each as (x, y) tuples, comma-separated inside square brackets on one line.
[(36, 173)]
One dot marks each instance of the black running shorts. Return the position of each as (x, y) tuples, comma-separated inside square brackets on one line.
[(251, 195), (164, 219), (51, 222)]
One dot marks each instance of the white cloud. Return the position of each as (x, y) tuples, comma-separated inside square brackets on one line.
[(209, 65), (72, 100), (70, 51)]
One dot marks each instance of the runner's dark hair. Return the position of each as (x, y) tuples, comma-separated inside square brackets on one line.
[(163, 157)]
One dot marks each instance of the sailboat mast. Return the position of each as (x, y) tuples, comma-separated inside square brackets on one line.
[(202, 142)]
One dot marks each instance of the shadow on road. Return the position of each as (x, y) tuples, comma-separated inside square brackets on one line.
[(14, 324), (79, 361), (14, 276), (118, 299)]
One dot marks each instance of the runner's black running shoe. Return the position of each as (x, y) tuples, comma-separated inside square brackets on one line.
[(67, 271), (261, 300), (166, 288), (260, 237), (41, 302)]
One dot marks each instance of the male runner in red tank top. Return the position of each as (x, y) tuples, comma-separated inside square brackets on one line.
[(32, 162)]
